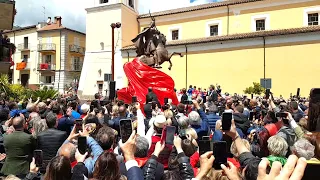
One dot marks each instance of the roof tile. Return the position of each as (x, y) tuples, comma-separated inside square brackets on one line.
[(238, 36)]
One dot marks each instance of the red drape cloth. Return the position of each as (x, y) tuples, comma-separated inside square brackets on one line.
[(140, 77)]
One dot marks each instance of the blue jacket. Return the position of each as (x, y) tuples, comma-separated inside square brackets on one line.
[(135, 173), (212, 119), (66, 124), (203, 128), (96, 151)]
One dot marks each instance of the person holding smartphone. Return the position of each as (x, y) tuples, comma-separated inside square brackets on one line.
[(198, 120)]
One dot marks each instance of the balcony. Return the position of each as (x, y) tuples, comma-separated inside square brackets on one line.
[(24, 47), (76, 67), (76, 49), (46, 67), (47, 47), (24, 65)]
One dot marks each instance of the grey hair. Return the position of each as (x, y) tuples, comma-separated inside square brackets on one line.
[(277, 146), (39, 126), (303, 148), (194, 118), (31, 107), (183, 122), (142, 147), (212, 107)]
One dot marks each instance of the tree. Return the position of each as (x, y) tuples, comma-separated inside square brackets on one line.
[(255, 89)]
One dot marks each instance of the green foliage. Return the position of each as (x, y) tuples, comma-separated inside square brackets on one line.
[(255, 89), (44, 93), (18, 92)]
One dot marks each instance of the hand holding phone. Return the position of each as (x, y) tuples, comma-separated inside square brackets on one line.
[(204, 146), (78, 124), (82, 144), (125, 129), (220, 154), (38, 156), (226, 121), (170, 132)]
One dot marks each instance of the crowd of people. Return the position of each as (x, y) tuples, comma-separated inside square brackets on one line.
[(260, 144)]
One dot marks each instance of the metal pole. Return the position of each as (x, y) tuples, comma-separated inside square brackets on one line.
[(264, 62), (112, 56)]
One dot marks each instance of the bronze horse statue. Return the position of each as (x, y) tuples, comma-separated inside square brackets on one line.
[(161, 53)]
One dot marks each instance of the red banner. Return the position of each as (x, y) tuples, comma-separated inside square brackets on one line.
[(141, 77)]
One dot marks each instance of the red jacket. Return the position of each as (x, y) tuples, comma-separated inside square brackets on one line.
[(164, 155)]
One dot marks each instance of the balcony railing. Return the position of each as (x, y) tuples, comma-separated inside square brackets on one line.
[(47, 47), (24, 47), (76, 66), (46, 67), (76, 49)]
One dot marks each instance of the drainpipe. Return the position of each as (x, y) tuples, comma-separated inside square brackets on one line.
[(228, 19), (60, 63), (128, 55), (264, 61), (186, 66)]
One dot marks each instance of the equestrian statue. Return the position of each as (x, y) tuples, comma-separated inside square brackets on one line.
[(151, 47)]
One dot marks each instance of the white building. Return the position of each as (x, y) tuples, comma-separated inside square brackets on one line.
[(97, 63)]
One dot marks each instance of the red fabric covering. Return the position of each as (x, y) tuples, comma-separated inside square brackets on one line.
[(140, 77)]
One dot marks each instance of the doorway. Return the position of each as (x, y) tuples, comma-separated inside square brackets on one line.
[(24, 80)]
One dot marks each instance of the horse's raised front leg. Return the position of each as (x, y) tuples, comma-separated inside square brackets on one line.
[(169, 58)]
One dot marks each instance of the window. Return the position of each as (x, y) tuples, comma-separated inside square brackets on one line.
[(131, 3), (313, 19), (76, 64), (25, 43), (214, 30), (104, 1), (260, 22), (48, 59), (175, 34), (260, 25), (47, 79), (100, 87), (25, 57)]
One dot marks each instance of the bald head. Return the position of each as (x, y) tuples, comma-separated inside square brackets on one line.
[(68, 150), (122, 110), (18, 123)]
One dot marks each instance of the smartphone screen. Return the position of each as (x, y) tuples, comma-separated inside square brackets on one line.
[(170, 131), (220, 154), (38, 156), (125, 129), (281, 115), (207, 138), (204, 146), (251, 96), (82, 144), (134, 99), (298, 92), (310, 170), (251, 115), (313, 109), (78, 124), (226, 121), (166, 101), (267, 93)]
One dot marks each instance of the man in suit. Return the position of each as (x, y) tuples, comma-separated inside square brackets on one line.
[(19, 148), (50, 140)]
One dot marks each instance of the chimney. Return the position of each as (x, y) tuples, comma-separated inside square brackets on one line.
[(49, 20), (57, 20)]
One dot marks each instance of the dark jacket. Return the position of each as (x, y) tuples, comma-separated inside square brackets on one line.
[(297, 115), (288, 134), (135, 173), (184, 99), (241, 122), (212, 119), (154, 98), (49, 141), (19, 148), (185, 168), (153, 170), (148, 110)]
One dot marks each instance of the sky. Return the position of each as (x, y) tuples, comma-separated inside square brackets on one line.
[(30, 12)]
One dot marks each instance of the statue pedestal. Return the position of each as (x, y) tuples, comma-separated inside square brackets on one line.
[(141, 77)]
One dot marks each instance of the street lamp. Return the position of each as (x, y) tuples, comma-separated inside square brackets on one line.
[(113, 26)]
